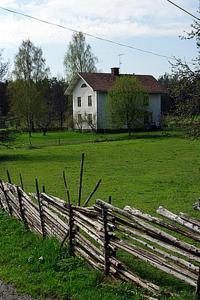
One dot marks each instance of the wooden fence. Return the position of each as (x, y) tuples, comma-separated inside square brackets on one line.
[(97, 233)]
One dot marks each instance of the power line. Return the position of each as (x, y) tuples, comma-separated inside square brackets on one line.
[(87, 34), (186, 11)]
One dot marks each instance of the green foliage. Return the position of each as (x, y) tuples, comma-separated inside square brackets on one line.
[(38, 105), (45, 113), (4, 103), (29, 69), (79, 56), (25, 102), (126, 103), (62, 104), (186, 87)]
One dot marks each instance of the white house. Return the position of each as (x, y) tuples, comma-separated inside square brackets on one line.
[(89, 91)]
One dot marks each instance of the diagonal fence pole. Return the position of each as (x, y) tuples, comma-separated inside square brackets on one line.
[(81, 180), (92, 193)]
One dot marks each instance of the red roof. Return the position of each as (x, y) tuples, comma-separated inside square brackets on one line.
[(104, 81)]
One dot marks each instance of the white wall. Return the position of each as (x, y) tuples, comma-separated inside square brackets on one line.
[(84, 109), (101, 110), (155, 107)]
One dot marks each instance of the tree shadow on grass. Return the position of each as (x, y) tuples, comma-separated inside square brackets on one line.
[(37, 158), (139, 135)]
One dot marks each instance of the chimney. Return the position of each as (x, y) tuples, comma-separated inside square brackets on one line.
[(115, 71)]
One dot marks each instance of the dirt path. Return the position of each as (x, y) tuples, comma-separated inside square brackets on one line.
[(7, 292)]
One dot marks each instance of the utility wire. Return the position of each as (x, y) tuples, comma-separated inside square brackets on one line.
[(186, 11), (85, 33)]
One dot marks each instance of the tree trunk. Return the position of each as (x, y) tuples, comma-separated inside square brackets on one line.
[(129, 131), (61, 121)]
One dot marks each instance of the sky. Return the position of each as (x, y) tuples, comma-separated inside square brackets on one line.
[(153, 25)]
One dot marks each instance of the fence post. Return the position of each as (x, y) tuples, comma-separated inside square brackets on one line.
[(66, 187), (106, 241), (9, 178), (69, 233), (71, 250), (21, 208), (43, 189), (198, 286), (7, 199), (40, 209), (21, 181), (81, 180)]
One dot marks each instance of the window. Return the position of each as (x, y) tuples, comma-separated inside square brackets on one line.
[(79, 118), (89, 116), (83, 85), (146, 100), (89, 100), (79, 101)]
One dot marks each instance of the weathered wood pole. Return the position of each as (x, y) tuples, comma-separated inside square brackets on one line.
[(110, 199), (21, 181), (7, 199), (65, 181), (71, 250), (198, 286), (40, 208), (21, 208), (81, 179), (106, 241), (43, 189), (9, 178), (1, 203), (66, 187)]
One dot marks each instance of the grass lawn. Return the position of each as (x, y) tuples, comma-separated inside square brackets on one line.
[(57, 276), (144, 172)]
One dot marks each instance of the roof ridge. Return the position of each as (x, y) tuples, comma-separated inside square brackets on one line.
[(123, 74)]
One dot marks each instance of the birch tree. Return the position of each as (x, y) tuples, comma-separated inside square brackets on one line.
[(79, 57), (29, 69)]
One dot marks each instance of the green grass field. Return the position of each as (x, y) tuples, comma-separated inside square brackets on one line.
[(146, 171)]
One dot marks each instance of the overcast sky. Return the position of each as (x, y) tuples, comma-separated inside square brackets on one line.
[(153, 25)]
